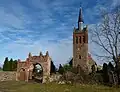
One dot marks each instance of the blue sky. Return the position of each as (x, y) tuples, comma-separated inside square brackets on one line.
[(41, 25)]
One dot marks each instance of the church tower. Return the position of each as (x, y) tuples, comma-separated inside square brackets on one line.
[(80, 44)]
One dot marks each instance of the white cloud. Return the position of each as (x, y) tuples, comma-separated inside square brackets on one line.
[(115, 3), (50, 19), (9, 19), (60, 52)]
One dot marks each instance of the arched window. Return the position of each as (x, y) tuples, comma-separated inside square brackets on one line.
[(79, 56), (80, 39), (84, 39), (76, 40)]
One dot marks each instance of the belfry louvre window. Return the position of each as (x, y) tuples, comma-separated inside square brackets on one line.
[(80, 39), (79, 56), (76, 40), (84, 39)]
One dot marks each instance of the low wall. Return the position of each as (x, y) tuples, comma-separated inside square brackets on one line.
[(7, 75)]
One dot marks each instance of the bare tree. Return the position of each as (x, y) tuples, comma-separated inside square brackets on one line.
[(106, 35)]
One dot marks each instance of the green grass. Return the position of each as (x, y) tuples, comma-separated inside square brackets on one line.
[(13, 86)]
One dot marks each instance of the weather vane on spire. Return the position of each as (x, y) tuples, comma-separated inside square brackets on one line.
[(80, 4)]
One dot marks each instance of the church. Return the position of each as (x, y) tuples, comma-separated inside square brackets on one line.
[(81, 57), (27, 70)]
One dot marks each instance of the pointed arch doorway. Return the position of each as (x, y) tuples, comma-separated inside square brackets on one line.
[(22, 74), (38, 72)]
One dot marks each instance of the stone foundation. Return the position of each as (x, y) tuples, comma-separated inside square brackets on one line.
[(7, 75), (52, 78)]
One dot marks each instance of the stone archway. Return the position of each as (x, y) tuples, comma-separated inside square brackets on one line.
[(44, 61), (38, 72)]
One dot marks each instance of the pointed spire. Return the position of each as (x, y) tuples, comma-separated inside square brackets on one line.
[(47, 53), (30, 55), (80, 19), (40, 53)]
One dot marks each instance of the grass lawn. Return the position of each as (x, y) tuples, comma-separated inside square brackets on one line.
[(13, 86)]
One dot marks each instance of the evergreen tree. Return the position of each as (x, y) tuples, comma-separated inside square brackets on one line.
[(53, 68), (105, 73), (67, 67), (11, 64), (110, 66), (70, 63), (0, 68), (15, 65), (61, 69), (5, 65)]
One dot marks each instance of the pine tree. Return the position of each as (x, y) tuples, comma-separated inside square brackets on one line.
[(11, 64), (53, 68), (15, 65), (67, 67), (71, 62), (111, 67), (0, 68), (5, 65), (105, 73), (61, 69)]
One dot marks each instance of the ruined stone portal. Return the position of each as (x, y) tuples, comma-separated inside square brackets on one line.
[(26, 69)]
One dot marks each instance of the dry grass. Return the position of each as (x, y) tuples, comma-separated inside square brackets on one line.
[(13, 86)]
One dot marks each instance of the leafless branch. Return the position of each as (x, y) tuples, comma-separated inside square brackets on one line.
[(107, 35)]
